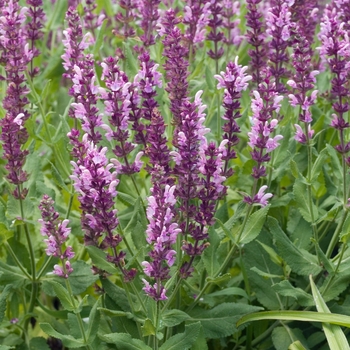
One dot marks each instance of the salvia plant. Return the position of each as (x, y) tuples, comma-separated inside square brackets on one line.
[(174, 174)]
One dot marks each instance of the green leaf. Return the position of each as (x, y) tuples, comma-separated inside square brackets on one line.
[(282, 337), (318, 164), (294, 168), (82, 277), (300, 260), (215, 298), (73, 323), (289, 315), (125, 341), (117, 294), (38, 343), (334, 334), (57, 177), (201, 341), (171, 318), (63, 295), (5, 347), (148, 328), (67, 340), (100, 36), (209, 256), (254, 225), (5, 234), (286, 289), (183, 341), (335, 163), (301, 197), (94, 321), (3, 297), (221, 321), (137, 225), (99, 259)]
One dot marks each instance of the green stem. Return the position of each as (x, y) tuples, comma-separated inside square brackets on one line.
[(42, 270), (80, 321)]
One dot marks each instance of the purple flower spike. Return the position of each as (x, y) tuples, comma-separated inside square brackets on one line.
[(15, 55), (256, 38), (234, 81), (95, 180), (34, 28), (118, 99), (176, 66), (57, 233), (150, 16), (161, 232), (263, 106), (215, 35), (279, 25), (196, 18)]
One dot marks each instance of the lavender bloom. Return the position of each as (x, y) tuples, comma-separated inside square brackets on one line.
[(117, 100), (34, 28), (255, 37), (230, 10), (161, 234), (150, 16), (176, 66), (147, 79), (303, 81), (57, 233), (278, 24), (91, 21), (215, 35), (234, 81), (158, 151), (80, 69), (95, 180), (196, 17), (130, 7), (75, 43), (335, 44), (263, 105), (199, 176), (304, 14), (15, 54)]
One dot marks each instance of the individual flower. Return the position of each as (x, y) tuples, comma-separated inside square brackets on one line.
[(260, 198), (234, 80), (162, 233), (56, 233)]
